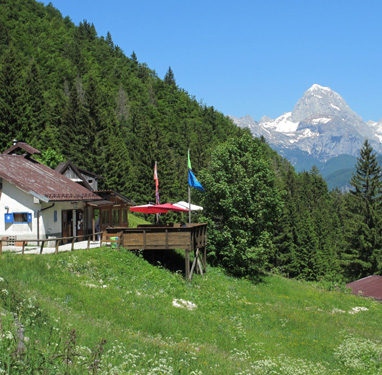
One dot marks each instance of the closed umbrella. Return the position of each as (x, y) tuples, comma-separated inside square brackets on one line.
[(184, 204)]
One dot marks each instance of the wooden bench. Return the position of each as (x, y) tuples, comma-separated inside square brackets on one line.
[(112, 238)]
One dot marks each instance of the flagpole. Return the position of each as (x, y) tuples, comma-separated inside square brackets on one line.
[(189, 192), (189, 205), (156, 188)]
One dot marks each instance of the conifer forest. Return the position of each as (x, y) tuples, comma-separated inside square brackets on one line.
[(77, 96)]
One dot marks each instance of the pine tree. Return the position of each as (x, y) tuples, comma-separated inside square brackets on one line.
[(169, 78), (11, 93), (363, 255), (33, 122), (75, 128)]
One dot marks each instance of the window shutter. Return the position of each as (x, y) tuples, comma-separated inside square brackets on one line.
[(8, 218)]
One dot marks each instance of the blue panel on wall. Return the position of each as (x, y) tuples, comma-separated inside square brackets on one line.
[(29, 218), (8, 218)]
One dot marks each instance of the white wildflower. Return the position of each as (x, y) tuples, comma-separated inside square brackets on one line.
[(335, 310), (359, 354), (357, 309), (181, 303)]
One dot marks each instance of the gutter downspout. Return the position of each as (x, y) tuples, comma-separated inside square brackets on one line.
[(38, 218)]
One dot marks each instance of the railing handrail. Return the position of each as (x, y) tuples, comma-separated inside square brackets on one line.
[(56, 239)]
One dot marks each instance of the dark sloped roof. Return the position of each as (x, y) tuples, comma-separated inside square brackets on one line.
[(115, 197), (41, 181), (111, 198), (370, 286), (22, 146)]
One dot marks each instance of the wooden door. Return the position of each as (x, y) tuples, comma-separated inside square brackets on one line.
[(67, 226)]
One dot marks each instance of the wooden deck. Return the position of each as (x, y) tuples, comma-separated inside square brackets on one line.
[(149, 237)]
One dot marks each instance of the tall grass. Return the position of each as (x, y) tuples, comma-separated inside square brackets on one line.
[(111, 312)]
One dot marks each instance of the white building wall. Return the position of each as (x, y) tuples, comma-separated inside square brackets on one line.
[(12, 200)]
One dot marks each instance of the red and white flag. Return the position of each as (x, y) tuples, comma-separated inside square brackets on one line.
[(156, 183)]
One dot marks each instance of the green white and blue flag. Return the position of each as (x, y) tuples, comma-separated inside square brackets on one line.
[(192, 180)]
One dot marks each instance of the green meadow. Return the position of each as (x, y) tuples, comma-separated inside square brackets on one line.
[(109, 311)]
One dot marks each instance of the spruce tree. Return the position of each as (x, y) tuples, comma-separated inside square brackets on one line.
[(75, 130), (11, 94), (169, 78), (363, 255)]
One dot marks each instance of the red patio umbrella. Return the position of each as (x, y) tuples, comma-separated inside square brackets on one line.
[(157, 208)]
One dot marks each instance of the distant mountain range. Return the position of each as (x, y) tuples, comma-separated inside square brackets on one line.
[(321, 130)]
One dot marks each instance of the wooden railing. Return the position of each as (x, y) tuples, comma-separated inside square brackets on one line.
[(41, 243), (112, 238)]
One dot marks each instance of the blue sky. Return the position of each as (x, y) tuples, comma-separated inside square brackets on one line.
[(250, 57)]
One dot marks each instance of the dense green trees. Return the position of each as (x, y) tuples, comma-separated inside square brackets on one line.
[(242, 205)]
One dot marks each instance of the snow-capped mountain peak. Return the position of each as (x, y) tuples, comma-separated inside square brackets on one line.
[(321, 123), (317, 87), (319, 100)]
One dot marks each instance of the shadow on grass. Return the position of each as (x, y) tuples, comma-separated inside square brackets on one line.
[(171, 260), (174, 261)]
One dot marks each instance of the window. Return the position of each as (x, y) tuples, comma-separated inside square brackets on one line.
[(115, 214), (125, 215), (105, 217), (18, 218)]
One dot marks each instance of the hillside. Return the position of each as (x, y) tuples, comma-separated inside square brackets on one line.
[(64, 87), (156, 323)]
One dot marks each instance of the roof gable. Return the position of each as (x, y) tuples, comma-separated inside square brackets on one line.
[(22, 146), (77, 174)]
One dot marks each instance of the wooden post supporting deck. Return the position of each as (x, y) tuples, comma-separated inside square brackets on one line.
[(42, 246), (187, 264)]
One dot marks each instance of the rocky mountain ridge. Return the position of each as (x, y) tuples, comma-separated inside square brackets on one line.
[(321, 125)]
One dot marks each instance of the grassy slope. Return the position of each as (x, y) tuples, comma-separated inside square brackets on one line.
[(237, 328), (135, 220)]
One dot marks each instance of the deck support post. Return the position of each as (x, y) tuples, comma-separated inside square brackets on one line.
[(205, 259), (42, 246), (187, 264)]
